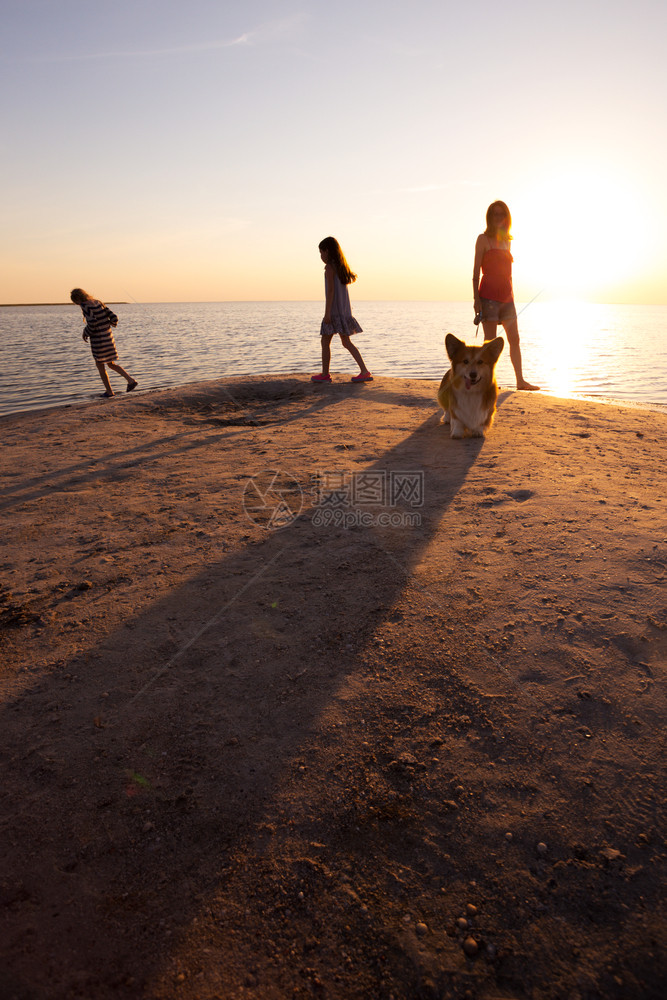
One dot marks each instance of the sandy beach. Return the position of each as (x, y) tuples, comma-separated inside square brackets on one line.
[(302, 698)]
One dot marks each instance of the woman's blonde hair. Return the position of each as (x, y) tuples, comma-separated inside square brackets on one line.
[(337, 259), (492, 226)]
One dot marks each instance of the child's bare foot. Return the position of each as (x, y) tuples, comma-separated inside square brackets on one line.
[(527, 386)]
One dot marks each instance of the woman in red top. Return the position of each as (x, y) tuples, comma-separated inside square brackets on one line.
[(494, 296)]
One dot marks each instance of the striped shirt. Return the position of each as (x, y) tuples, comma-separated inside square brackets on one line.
[(99, 320)]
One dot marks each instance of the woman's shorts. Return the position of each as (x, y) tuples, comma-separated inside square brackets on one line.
[(498, 312)]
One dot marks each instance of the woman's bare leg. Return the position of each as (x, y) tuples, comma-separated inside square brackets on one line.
[(490, 329), (512, 330)]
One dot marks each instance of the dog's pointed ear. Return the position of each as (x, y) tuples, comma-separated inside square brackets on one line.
[(493, 349), (453, 345)]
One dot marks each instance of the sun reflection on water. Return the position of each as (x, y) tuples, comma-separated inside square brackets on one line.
[(565, 339), (568, 342)]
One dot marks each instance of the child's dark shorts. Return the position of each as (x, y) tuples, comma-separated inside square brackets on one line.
[(498, 312)]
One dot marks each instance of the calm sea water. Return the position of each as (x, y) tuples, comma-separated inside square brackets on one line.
[(599, 351)]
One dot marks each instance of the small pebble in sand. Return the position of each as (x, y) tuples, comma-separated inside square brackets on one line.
[(471, 910), (470, 946), (508, 835), (462, 924), (421, 929), (610, 854), (542, 848)]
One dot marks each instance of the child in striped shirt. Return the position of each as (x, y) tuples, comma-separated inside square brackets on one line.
[(99, 319)]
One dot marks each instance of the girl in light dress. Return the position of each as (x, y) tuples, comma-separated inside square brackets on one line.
[(99, 319), (338, 316)]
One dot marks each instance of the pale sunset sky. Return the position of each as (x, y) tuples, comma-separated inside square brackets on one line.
[(158, 150)]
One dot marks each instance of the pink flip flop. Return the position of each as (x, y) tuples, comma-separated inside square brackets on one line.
[(320, 378), (362, 377)]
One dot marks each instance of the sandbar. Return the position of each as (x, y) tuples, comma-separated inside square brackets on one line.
[(300, 697)]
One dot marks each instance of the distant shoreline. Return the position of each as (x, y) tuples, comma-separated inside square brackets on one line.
[(28, 305)]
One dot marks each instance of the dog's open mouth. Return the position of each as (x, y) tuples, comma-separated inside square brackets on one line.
[(471, 379)]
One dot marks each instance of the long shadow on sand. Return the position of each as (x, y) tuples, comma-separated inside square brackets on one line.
[(95, 869)]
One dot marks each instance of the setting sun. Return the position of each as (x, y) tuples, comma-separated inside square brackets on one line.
[(582, 231)]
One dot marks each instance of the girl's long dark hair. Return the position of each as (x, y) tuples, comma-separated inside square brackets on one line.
[(337, 259), (492, 226)]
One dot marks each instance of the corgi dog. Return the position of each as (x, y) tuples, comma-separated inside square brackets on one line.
[(468, 392)]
